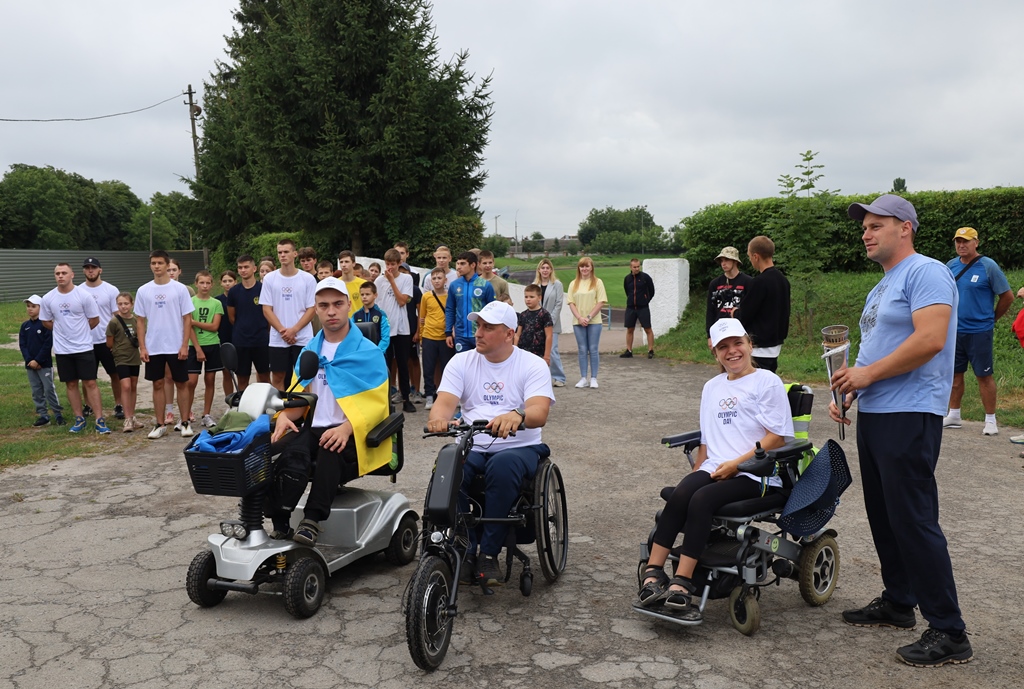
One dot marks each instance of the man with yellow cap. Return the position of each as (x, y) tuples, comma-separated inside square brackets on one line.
[(985, 296)]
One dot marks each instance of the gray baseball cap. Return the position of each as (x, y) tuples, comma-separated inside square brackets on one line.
[(886, 204)]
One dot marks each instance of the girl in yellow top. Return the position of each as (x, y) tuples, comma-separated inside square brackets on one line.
[(586, 297)]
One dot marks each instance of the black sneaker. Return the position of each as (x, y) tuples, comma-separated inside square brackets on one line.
[(118, 412), (650, 353), (490, 571), (936, 648), (86, 411), (628, 354), (467, 575), (408, 407), (60, 420), (880, 613), (42, 421)]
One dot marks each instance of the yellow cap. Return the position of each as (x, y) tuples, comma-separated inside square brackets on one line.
[(966, 233)]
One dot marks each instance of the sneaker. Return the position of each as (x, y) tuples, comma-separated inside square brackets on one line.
[(558, 383), (168, 418), (990, 429), (118, 411), (467, 575), (60, 420), (408, 407), (490, 571), (101, 426), (429, 403), (1018, 439), (593, 383), (951, 421), (583, 383), (129, 425), (880, 613), (208, 421), (936, 648), (42, 421), (650, 353), (87, 410), (78, 426), (186, 430), (177, 426), (628, 354), (159, 431)]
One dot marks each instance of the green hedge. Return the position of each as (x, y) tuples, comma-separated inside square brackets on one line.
[(997, 214)]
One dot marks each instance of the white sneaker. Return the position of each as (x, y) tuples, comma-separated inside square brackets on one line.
[(157, 432), (208, 421), (583, 383), (593, 382), (558, 383), (186, 430), (1017, 439), (950, 421), (990, 428), (429, 403)]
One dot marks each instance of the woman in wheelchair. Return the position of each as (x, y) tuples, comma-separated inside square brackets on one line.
[(740, 407)]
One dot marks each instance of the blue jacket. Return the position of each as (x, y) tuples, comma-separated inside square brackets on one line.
[(376, 315), (36, 342), (465, 297)]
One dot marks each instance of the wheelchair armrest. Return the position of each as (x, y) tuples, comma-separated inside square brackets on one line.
[(791, 451), (688, 441), (385, 429)]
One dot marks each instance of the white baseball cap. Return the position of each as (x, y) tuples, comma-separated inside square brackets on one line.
[(726, 327), (34, 299), (496, 312), (332, 283)]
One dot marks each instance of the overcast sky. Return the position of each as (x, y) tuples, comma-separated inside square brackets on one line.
[(670, 104)]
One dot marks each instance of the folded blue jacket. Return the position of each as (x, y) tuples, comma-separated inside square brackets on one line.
[(232, 442)]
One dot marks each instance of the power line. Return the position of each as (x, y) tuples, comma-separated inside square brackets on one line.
[(87, 119)]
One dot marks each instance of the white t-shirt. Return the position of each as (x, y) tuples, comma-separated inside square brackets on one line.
[(163, 307), (105, 295), (398, 316), (735, 414), (70, 314), (487, 390), (328, 412), (289, 297), (426, 285)]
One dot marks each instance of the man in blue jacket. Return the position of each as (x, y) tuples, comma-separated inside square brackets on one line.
[(469, 293)]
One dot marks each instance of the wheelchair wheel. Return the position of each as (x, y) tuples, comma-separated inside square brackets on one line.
[(553, 521), (428, 628), (202, 569), (819, 570), (744, 611)]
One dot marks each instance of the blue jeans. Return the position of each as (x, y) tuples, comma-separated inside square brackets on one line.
[(587, 339), (556, 361), (503, 473)]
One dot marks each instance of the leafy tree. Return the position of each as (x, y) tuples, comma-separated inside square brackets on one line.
[(137, 231), (556, 245), (338, 118), (611, 219), (35, 209), (496, 244)]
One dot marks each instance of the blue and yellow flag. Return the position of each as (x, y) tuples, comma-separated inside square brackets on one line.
[(358, 378)]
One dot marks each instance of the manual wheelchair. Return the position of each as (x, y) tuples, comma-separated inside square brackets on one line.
[(740, 559), (539, 514)]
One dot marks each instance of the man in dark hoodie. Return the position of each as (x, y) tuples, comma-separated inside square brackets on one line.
[(764, 310)]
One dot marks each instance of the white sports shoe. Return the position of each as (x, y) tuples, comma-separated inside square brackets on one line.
[(186, 430), (1017, 439), (593, 382), (583, 383), (429, 403), (990, 429), (950, 421), (157, 432), (208, 421)]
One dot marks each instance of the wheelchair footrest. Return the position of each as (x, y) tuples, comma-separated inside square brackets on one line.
[(667, 615)]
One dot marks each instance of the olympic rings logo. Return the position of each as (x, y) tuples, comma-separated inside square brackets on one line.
[(728, 403), (494, 387)]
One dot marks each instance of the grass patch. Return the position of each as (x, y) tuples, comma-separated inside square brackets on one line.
[(842, 298), (611, 269)]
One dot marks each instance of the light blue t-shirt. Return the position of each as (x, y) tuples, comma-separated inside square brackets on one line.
[(978, 289), (886, 322)]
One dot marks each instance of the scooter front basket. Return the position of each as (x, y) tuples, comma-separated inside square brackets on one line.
[(232, 474)]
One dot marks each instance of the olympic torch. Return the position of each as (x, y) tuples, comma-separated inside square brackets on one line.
[(836, 343)]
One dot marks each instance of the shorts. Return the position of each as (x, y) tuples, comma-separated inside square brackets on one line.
[(159, 364), (78, 366), (105, 357), (212, 363), (975, 348), (643, 313), (249, 357), (283, 359), (124, 371)]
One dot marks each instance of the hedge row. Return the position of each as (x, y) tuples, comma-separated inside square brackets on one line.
[(997, 214)]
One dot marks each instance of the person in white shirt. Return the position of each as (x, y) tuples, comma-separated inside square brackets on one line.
[(105, 295), (163, 309), (443, 259), (394, 290), (507, 386), (72, 314), (289, 306)]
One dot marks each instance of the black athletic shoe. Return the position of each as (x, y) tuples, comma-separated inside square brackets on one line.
[(86, 411), (936, 648), (467, 575), (490, 571), (60, 420), (650, 353), (880, 613), (42, 421), (628, 354), (118, 412), (408, 407)]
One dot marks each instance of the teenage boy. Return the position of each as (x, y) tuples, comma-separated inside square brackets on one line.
[(485, 264), (163, 308), (70, 313), (289, 306), (36, 342), (371, 313), (467, 294), (535, 325), (307, 260), (228, 279), (353, 282), (639, 289), (394, 290), (324, 269), (105, 295), (412, 308), (443, 260), (251, 332), (436, 352), (204, 350)]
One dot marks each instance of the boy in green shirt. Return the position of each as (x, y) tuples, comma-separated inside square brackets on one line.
[(204, 346)]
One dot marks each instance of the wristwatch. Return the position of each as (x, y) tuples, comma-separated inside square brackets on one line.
[(521, 412)]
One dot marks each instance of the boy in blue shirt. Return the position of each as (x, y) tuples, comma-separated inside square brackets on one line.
[(36, 344), (371, 313)]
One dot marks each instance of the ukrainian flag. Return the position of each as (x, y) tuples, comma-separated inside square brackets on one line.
[(358, 377)]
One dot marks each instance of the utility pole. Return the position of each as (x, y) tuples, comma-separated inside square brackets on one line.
[(151, 231), (194, 111), (496, 225), (516, 229)]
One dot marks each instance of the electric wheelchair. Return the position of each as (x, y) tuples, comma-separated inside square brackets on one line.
[(538, 515), (791, 542)]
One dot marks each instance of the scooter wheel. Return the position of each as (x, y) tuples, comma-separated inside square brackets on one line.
[(744, 612), (428, 626), (202, 569), (304, 587), (526, 583), (402, 549)]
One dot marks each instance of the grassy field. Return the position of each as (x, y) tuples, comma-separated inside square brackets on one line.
[(611, 270)]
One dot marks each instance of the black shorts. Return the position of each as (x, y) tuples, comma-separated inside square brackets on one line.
[(249, 357), (282, 359), (643, 313), (124, 371), (105, 357), (79, 366), (212, 363), (160, 364)]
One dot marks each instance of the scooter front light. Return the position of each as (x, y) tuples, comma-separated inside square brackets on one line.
[(240, 532), (228, 529), (436, 537)]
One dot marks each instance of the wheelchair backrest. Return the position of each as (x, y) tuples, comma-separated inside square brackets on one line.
[(801, 400), (371, 331)]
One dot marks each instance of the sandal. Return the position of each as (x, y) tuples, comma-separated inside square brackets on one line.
[(307, 532), (653, 592), (680, 600)]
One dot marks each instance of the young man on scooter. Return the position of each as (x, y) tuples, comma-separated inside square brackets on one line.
[(508, 386), (352, 397)]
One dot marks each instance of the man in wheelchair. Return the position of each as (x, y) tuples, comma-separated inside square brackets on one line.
[(352, 390), (741, 406), (510, 388)]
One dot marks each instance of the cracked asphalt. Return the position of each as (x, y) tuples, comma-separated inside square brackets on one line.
[(95, 550)]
